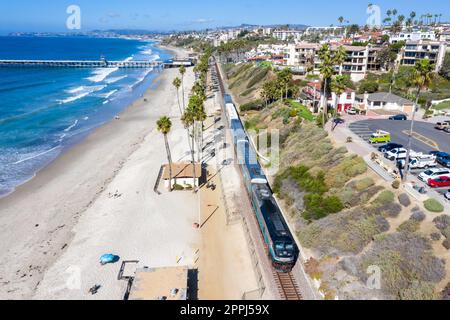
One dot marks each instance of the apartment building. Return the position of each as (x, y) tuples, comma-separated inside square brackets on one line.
[(360, 60), (418, 50), (285, 35), (302, 56), (413, 36)]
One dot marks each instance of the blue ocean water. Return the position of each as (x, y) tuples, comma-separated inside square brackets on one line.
[(44, 111)]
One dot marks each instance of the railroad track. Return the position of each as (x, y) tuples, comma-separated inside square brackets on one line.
[(287, 286)]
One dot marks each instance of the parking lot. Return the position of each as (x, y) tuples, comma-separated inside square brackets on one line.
[(426, 137)]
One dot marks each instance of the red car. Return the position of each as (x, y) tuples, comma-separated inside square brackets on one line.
[(439, 182)]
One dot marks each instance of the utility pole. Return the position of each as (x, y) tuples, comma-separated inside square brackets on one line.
[(408, 152)]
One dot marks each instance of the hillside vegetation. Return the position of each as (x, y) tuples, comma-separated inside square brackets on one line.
[(342, 213)]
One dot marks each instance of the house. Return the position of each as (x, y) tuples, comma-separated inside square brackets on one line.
[(182, 174), (312, 96), (345, 101), (418, 50), (383, 101)]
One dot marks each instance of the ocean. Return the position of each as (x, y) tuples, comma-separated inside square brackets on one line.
[(45, 111)]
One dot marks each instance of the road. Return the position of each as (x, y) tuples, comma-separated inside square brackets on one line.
[(426, 138)]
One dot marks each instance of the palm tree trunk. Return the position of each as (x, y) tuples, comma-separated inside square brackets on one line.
[(408, 152), (179, 104), (182, 92), (169, 158)]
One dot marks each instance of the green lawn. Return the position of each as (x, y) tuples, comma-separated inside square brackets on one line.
[(442, 106), (303, 111)]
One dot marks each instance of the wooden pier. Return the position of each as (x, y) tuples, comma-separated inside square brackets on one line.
[(176, 63)]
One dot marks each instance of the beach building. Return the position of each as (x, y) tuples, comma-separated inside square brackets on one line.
[(160, 284), (182, 174), (383, 101)]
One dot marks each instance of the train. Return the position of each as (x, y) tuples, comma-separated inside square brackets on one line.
[(282, 248)]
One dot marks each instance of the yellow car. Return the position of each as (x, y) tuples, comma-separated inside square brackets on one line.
[(380, 137)]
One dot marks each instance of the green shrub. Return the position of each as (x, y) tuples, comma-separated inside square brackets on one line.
[(178, 187), (364, 184), (409, 226), (404, 200), (433, 205), (317, 207), (385, 197), (396, 184), (255, 105)]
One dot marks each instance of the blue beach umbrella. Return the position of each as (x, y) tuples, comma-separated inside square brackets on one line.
[(109, 258)]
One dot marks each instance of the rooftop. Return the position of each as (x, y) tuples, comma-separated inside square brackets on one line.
[(386, 97), (182, 170)]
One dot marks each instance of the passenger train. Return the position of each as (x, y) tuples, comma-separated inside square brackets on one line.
[(283, 250)]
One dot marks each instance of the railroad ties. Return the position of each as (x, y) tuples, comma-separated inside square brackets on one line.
[(287, 286)]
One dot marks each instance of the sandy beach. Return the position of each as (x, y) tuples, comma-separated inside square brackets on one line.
[(99, 198)]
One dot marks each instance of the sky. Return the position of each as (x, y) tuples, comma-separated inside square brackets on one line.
[(163, 15)]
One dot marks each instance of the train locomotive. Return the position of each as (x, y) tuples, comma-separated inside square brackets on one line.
[(282, 248)]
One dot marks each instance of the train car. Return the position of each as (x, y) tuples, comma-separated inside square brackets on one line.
[(283, 250)]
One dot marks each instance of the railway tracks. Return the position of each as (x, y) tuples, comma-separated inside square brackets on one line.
[(287, 286)]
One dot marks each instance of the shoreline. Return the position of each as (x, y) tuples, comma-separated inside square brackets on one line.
[(152, 85), (38, 218)]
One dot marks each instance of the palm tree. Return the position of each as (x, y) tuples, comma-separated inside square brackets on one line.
[(183, 72), (339, 57), (338, 87), (423, 77), (188, 121), (326, 70), (164, 126), (177, 84), (341, 19)]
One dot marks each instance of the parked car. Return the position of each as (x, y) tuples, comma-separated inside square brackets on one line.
[(443, 125), (439, 182), (388, 147), (380, 137), (447, 130), (396, 154), (352, 111), (433, 173), (443, 159), (399, 117), (447, 195)]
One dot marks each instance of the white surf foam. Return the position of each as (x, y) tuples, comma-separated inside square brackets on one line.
[(82, 92), (101, 74), (114, 79)]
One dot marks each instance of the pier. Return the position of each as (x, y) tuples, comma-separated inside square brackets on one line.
[(102, 63)]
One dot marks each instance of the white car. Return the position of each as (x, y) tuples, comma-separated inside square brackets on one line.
[(396, 154), (447, 195), (433, 173), (351, 112)]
